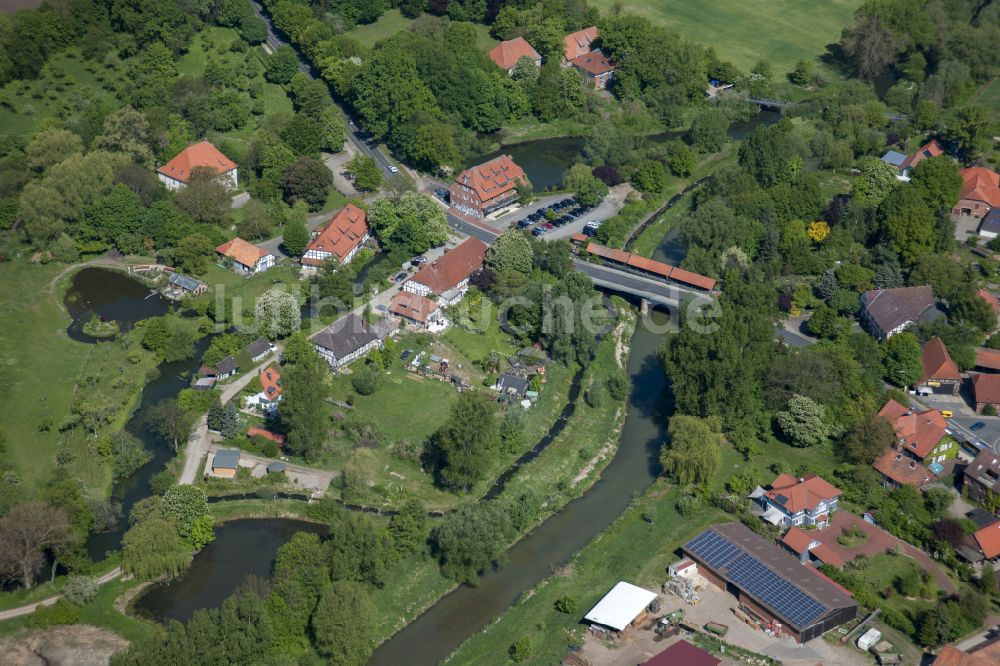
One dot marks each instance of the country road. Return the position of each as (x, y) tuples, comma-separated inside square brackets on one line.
[(28, 609)]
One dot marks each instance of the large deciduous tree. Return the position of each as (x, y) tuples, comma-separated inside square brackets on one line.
[(412, 222), (343, 624), (26, 532), (901, 358), (692, 454), (511, 251), (471, 539), (277, 313), (204, 198), (802, 421), (303, 409), (307, 179), (465, 441)]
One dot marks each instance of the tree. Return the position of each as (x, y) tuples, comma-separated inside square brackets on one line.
[(868, 439), (26, 532), (681, 160), (651, 176), (470, 539), (938, 182), (709, 130), (876, 181), (692, 454), (974, 311), (409, 527), (277, 313), (987, 582), (366, 172), (51, 145), (360, 547), (909, 225), (204, 198), (464, 441), (802, 421), (253, 29), (307, 179), (281, 65), (511, 251), (412, 222), (192, 253), (296, 236), (231, 422), (589, 190), (126, 131), (186, 505), (303, 409), (304, 560), (152, 548), (970, 128), (257, 222), (802, 74), (343, 624), (170, 422), (901, 357)]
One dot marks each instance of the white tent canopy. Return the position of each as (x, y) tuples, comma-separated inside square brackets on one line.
[(620, 606), (773, 515), (757, 492)]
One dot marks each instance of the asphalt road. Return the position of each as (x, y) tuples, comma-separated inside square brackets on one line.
[(355, 135), (637, 284)]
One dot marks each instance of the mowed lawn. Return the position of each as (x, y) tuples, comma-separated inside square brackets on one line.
[(744, 31)]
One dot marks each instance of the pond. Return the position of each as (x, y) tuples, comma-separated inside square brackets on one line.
[(111, 296), (242, 548), (545, 161)]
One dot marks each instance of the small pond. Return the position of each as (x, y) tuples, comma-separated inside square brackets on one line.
[(242, 548), (111, 296)]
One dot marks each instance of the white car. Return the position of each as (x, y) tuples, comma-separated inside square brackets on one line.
[(393, 169)]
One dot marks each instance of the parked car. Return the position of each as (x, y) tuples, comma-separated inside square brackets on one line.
[(537, 231), (393, 169), (419, 259), (978, 425), (524, 224), (589, 231), (399, 277), (381, 308)]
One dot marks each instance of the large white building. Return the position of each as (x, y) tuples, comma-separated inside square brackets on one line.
[(176, 173)]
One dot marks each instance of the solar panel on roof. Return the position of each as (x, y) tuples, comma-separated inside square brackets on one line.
[(786, 600), (712, 549)]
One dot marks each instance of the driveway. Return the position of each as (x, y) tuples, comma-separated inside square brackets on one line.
[(306, 478)]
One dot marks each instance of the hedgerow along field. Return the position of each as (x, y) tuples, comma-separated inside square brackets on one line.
[(744, 31)]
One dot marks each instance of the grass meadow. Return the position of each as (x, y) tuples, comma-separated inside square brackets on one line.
[(744, 31)]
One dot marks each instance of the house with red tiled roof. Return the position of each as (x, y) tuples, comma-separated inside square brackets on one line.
[(987, 360), (898, 470), (340, 239), (988, 539), (986, 390), (922, 436), (979, 194), (595, 68), (414, 308), (245, 258), (484, 189), (981, 478), (930, 149), (984, 654), (448, 276), (270, 390), (809, 548), (578, 43), (506, 54), (793, 501), (940, 372), (176, 173)]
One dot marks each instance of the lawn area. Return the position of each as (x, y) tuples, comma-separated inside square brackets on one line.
[(42, 368), (392, 22), (637, 548), (782, 31)]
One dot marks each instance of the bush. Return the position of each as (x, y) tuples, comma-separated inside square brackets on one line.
[(61, 612), (81, 589), (595, 395), (619, 386), (520, 650), (365, 381), (566, 605)]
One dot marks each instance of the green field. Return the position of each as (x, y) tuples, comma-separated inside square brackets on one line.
[(392, 22), (744, 31)]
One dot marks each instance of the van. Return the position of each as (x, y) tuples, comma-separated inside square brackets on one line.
[(946, 413)]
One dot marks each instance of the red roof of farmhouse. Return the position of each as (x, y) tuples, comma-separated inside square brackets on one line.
[(202, 154), (452, 267), (493, 178), (344, 232), (240, 250), (412, 306), (506, 54), (980, 184), (579, 42)]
